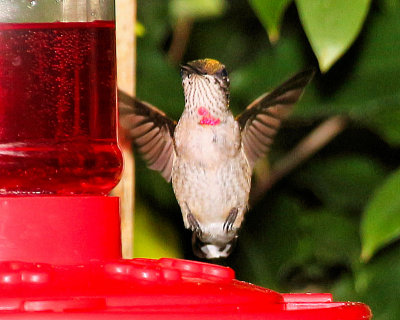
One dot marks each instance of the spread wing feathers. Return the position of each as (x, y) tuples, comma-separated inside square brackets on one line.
[(262, 118), (150, 130)]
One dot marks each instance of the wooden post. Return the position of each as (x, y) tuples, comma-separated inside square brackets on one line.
[(126, 62)]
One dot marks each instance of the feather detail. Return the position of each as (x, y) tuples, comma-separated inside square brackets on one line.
[(150, 130), (262, 118)]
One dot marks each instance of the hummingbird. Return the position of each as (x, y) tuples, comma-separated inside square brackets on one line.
[(209, 154)]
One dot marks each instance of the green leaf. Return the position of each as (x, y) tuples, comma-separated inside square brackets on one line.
[(331, 26), (270, 13), (380, 224), (366, 84), (196, 9)]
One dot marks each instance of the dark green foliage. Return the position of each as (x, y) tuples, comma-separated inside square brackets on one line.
[(333, 223)]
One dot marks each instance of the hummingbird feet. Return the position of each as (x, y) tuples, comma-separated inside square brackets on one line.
[(193, 223), (228, 224)]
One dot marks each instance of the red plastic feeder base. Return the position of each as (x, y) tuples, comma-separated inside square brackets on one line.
[(153, 289)]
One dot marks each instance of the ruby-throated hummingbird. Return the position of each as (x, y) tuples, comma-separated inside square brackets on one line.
[(209, 154)]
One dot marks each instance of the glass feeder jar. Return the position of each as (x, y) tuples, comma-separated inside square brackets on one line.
[(58, 108)]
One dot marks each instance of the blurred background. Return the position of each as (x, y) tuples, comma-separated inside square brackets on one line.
[(329, 218)]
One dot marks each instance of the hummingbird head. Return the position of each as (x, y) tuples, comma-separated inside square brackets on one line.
[(205, 81), (209, 245)]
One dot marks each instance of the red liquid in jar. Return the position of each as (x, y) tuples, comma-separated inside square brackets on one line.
[(58, 108)]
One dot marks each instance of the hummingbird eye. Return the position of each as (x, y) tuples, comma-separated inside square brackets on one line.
[(223, 73), (222, 77)]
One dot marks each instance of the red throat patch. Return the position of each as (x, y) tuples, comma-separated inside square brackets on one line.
[(207, 119)]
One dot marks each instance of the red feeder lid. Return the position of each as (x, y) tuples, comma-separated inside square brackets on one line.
[(153, 289), (58, 229)]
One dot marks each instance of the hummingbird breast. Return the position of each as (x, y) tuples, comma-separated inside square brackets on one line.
[(210, 174)]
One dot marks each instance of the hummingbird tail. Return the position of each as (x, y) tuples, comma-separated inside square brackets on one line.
[(210, 250)]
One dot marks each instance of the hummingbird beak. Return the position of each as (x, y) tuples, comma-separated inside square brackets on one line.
[(189, 69)]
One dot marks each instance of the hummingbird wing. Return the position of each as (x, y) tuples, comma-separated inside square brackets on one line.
[(260, 121), (150, 130)]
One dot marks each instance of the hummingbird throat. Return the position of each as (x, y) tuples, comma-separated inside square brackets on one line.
[(207, 119)]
